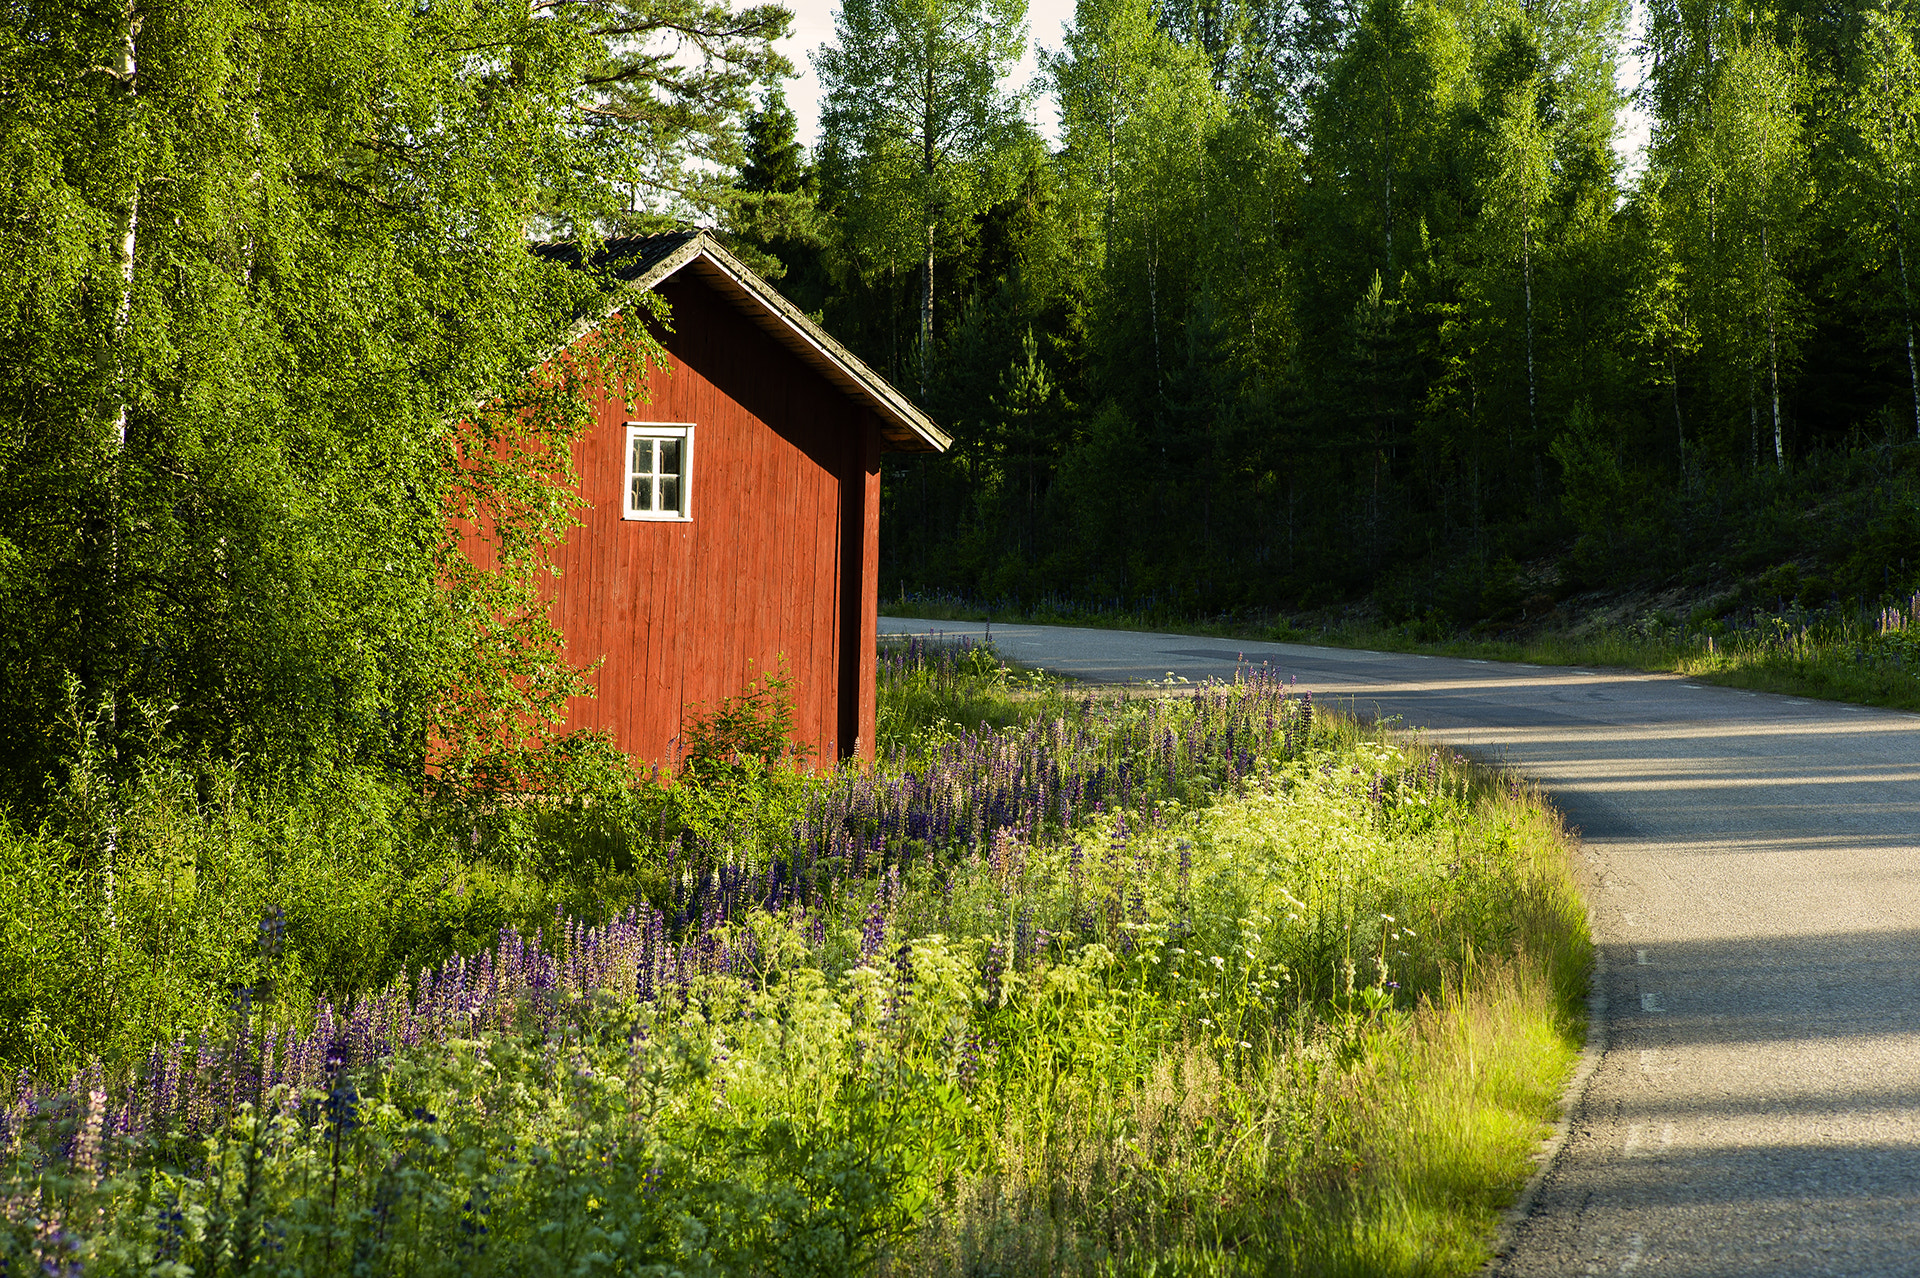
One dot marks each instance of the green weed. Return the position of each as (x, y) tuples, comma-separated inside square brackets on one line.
[(1296, 1010)]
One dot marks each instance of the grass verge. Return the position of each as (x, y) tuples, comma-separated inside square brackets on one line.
[(1076, 984), (1832, 656)]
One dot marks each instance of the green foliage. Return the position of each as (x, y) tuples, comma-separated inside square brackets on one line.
[(1604, 500), (920, 137), (1303, 352), (747, 735), (1368, 958), (1313, 1027), (128, 910), (632, 1149), (741, 774), (667, 92), (263, 260), (774, 221), (929, 693)]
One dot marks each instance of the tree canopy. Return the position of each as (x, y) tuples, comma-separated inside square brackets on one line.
[(921, 133), (270, 312), (1335, 299)]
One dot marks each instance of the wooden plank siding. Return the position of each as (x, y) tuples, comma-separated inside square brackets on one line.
[(776, 567)]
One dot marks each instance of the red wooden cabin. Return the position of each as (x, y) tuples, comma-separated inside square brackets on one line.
[(733, 521)]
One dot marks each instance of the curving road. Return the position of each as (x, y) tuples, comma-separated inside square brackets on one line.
[(1751, 872)]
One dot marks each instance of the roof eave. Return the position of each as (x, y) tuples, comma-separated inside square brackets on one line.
[(903, 426)]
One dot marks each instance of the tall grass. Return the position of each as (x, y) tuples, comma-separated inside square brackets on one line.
[(1212, 983)]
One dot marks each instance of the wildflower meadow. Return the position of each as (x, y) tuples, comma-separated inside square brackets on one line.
[(1177, 979)]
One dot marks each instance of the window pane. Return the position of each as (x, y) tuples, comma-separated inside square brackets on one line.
[(643, 456), (670, 493), (670, 458), (642, 495)]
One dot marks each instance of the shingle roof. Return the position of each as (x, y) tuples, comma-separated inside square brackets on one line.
[(643, 261)]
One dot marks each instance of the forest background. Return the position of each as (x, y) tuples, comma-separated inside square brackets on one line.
[(1318, 302), (1307, 302)]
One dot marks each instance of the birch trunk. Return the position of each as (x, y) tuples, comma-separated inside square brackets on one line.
[(1526, 272), (928, 130), (1773, 354), (1679, 423), (926, 315), (1913, 367), (1773, 372), (125, 69)]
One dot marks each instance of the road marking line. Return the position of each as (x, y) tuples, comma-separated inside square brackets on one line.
[(1666, 1136), (1651, 1003), (1524, 666), (1633, 1142), (1640, 958), (1476, 661), (1696, 687), (1636, 1247)]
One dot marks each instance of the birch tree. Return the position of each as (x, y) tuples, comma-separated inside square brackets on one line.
[(1137, 109), (916, 123), (1886, 118), (1518, 159), (258, 262), (1757, 163)]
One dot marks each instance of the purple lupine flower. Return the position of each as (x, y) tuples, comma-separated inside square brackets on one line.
[(342, 1109), (873, 933), (87, 1152), (993, 971)]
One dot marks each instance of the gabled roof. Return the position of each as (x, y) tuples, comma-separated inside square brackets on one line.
[(643, 261)]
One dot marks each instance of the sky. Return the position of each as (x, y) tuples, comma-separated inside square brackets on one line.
[(813, 27)]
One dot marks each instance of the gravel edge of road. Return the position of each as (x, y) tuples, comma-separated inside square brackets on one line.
[(1547, 1157)]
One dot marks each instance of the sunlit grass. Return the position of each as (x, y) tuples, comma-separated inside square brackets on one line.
[(1833, 657), (1211, 982)]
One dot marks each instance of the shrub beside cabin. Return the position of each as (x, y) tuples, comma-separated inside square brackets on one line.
[(733, 515)]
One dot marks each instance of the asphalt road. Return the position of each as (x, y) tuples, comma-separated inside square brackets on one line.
[(1751, 871)]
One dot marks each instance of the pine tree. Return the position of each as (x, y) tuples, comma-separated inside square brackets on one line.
[(773, 218)]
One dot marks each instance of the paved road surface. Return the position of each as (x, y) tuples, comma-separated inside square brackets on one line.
[(1751, 866)]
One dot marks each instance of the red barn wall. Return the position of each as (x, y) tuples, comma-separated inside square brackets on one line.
[(780, 558)]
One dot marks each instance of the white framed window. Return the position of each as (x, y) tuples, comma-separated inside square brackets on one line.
[(659, 482)]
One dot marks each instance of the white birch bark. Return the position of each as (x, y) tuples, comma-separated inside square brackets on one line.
[(125, 69)]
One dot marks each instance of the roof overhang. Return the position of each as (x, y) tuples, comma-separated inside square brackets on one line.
[(903, 427)]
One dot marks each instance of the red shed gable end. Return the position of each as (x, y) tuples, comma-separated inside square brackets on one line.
[(767, 560)]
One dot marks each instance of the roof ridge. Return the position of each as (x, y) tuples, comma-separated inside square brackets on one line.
[(669, 252)]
